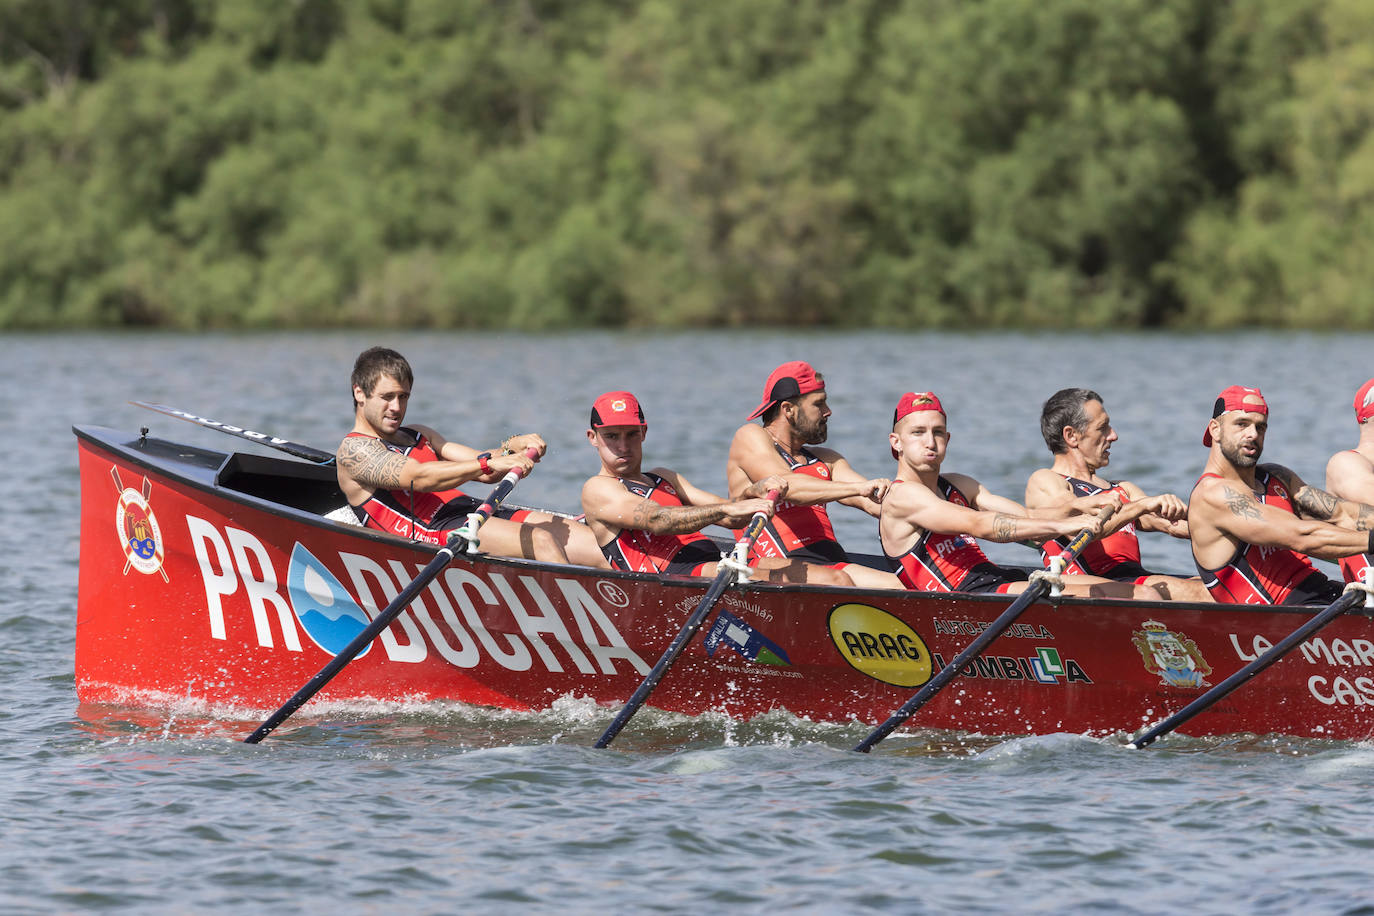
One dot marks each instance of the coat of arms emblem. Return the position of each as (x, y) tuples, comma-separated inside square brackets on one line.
[(1173, 656)]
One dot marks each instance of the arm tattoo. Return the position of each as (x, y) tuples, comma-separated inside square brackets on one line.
[(1242, 505), (650, 516), (371, 463), (1316, 503), (1004, 529), (1365, 519)]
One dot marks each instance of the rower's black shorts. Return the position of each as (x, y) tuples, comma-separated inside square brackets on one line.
[(1315, 589)]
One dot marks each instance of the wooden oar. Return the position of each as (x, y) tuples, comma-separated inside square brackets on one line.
[(1338, 607), (730, 569), (316, 455), (464, 535), (1033, 592)]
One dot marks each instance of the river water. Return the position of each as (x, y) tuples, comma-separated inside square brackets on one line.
[(447, 808)]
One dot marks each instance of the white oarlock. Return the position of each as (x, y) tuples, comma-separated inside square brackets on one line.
[(734, 561), (1366, 586), (469, 531), (1054, 576)]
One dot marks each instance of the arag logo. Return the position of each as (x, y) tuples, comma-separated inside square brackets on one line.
[(879, 645)]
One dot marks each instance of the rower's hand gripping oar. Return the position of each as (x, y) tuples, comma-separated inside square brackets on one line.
[(1345, 602), (468, 534), (732, 567), (1041, 583)]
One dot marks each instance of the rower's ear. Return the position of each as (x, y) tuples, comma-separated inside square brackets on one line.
[(359, 396)]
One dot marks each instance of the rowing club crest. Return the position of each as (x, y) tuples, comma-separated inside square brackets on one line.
[(1173, 656), (139, 536)]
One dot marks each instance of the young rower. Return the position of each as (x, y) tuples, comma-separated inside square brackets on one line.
[(651, 521), (1252, 523), (1350, 474), (930, 519), (405, 479), (794, 414), (1079, 433)]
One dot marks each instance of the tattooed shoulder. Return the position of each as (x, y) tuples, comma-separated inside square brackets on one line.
[(371, 463), (1242, 505)]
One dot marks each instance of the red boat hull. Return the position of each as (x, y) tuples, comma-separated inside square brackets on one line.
[(202, 579)]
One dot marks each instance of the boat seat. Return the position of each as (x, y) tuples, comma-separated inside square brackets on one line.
[(344, 515)]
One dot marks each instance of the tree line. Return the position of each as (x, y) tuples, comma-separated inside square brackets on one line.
[(653, 163)]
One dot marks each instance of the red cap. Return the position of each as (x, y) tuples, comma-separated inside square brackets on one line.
[(790, 380), (617, 408), (1237, 397), (1364, 402), (914, 401)]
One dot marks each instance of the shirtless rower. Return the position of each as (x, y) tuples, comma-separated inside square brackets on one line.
[(651, 522), (1350, 473), (929, 519), (1079, 433), (794, 414), (404, 479), (1252, 523)]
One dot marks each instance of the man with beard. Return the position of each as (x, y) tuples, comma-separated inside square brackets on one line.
[(1079, 433), (794, 416), (1252, 523), (1350, 473), (651, 521)]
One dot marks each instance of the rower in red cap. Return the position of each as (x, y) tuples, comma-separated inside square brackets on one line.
[(794, 415), (929, 519), (1252, 523), (1350, 473), (651, 522)]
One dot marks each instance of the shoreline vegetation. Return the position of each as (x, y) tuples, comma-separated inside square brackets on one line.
[(540, 165)]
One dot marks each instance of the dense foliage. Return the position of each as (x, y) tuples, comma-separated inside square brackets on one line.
[(554, 163)]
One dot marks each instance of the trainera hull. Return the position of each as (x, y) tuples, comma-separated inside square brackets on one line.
[(214, 578)]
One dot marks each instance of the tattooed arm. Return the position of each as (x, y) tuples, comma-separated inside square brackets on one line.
[(1316, 503), (366, 465), (1226, 513)]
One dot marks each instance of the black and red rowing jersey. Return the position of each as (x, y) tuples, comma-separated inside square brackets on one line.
[(1262, 575), (420, 516), (636, 550), (799, 531), (1116, 556), (939, 562)]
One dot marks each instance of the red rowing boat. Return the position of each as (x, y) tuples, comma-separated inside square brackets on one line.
[(217, 577)]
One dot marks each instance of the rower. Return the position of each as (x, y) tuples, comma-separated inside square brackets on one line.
[(405, 479), (1079, 434), (929, 519), (651, 521), (1350, 474), (794, 415), (1252, 523)]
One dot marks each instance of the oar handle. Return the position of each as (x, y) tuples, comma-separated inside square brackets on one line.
[(726, 573), (402, 601), (1033, 592), (478, 516), (738, 558)]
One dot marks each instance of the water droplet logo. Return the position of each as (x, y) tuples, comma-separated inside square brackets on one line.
[(325, 609)]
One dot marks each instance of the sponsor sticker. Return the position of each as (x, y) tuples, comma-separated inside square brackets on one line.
[(879, 645)]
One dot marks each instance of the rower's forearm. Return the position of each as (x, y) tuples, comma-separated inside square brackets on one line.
[(657, 519)]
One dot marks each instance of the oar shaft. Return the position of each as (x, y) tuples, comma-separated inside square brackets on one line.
[(1033, 593), (316, 455), (347, 654), (725, 577), (1224, 689), (402, 601)]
